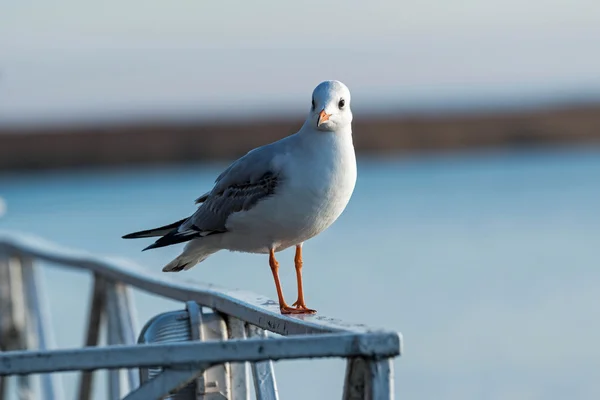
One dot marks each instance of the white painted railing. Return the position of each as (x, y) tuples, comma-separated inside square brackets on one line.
[(28, 347)]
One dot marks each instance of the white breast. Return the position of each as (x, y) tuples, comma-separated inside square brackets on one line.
[(318, 178)]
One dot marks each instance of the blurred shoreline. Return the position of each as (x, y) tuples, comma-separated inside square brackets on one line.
[(167, 141)]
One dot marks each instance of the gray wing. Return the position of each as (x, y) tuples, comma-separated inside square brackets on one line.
[(212, 215), (239, 188)]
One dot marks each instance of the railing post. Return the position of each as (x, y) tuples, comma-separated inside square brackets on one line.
[(238, 371), (12, 314), (122, 317), (380, 380), (214, 382), (39, 321), (25, 389), (355, 380), (368, 379), (95, 317), (196, 333), (218, 377), (121, 330), (263, 372), (12, 304), (17, 319)]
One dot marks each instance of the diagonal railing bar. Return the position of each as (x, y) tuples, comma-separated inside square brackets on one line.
[(165, 383)]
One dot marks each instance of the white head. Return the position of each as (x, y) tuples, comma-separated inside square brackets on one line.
[(330, 109)]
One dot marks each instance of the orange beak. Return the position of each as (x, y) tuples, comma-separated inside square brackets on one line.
[(323, 116)]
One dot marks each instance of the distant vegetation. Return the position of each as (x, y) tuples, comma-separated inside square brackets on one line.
[(147, 142)]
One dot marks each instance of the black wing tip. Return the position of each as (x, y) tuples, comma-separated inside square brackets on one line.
[(152, 246), (140, 234), (160, 231), (171, 238)]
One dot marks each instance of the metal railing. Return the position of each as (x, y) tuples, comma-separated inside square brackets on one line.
[(28, 346)]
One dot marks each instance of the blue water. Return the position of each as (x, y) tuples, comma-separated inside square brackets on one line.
[(487, 263)]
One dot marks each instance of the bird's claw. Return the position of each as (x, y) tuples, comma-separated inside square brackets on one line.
[(297, 308)]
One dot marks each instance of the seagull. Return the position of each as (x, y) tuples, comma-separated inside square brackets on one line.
[(276, 196)]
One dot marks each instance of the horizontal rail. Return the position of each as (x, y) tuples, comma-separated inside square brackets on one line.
[(195, 354), (246, 306)]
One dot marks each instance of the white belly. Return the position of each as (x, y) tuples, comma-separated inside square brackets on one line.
[(308, 201)]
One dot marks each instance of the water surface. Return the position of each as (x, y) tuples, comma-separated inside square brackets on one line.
[(487, 264)]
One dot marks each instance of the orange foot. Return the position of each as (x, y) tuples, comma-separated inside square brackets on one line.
[(298, 309), (301, 306)]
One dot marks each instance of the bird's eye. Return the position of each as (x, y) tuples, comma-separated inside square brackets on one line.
[(313, 104), (341, 103)]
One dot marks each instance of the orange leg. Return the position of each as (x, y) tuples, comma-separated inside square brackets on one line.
[(298, 264), (285, 309)]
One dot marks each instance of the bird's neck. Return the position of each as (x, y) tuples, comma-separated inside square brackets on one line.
[(342, 132), (339, 141)]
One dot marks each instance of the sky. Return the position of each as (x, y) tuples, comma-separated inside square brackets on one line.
[(67, 59)]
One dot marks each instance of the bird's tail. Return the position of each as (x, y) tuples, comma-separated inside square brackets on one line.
[(194, 252)]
